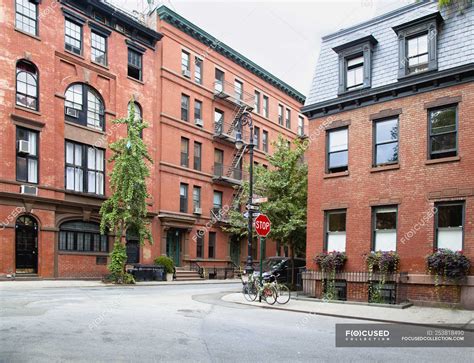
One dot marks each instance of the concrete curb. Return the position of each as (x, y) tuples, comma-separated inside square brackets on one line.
[(276, 307)]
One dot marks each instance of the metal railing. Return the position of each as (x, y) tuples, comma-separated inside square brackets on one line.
[(194, 266), (361, 286), (228, 91), (228, 171)]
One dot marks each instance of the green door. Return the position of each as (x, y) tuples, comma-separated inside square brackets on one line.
[(235, 251), (172, 245)]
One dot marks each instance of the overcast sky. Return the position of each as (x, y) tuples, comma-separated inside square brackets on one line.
[(281, 36)]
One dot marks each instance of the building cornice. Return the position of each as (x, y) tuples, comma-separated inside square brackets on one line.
[(409, 86), (138, 31), (199, 34)]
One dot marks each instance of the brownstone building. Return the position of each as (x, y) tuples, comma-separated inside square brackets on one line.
[(390, 161), (68, 69)]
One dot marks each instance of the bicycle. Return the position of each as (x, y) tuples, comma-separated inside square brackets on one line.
[(283, 292), (253, 288)]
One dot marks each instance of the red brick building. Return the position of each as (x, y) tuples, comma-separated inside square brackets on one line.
[(68, 68), (391, 140)]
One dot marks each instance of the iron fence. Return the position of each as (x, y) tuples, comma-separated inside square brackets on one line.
[(361, 286)]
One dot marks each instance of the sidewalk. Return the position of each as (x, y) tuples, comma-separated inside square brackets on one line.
[(40, 284), (410, 315)]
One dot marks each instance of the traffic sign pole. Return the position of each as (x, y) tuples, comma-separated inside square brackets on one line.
[(262, 241)]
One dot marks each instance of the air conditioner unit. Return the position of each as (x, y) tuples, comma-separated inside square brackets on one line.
[(72, 112), (197, 210), (186, 73), (23, 147), (29, 189), (199, 122)]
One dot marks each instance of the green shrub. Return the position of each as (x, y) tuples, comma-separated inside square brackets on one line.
[(166, 262)]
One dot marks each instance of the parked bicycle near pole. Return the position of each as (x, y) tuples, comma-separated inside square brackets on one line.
[(254, 288)]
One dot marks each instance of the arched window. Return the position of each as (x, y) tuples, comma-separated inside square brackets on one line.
[(137, 109), (82, 236), (84, 106), (27, 85)]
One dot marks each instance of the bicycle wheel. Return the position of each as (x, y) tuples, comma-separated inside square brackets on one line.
[(250, 291), (269, 294), (283, 294)]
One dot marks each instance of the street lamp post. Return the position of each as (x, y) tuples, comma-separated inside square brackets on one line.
[(246, 120)]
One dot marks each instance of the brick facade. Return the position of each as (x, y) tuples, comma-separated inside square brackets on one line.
[(158, 95)]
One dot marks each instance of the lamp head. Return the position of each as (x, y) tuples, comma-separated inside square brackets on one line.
[(239, 144)]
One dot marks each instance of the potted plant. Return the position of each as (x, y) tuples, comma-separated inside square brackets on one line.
[(384, 263), (168, 264), (330, 262), (448, 264)]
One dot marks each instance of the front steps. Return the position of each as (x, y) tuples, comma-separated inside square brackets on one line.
[(187, 275)]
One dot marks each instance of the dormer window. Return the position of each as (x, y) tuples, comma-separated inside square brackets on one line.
[(355, 60), (417, 45), (355, 72)]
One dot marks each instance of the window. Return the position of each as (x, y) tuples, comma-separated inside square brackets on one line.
[(134, 69), (280, 115), (184, 152), (73, 37), (183, 198), (217, 201), (198, 70), (337, 159), (200, 244), (443, 132), (417, 53), (300, 126), (256, 137), (384, 228), (239, 90), (184, 107), (288, 118), (417, 45), (257, 102), (265, 106), (84, 168), (211, 253), (218, 121), (26, 17), (196, 197), (98, 48), (26, 155), (84, 106), (82, 236), (265, 140), (197, 155), (137, 111), (386, 142), (219, 81), (185, 66), (197, 111), (354, 72), (218, 162), (336, 231), (449, 223), (27, 85)]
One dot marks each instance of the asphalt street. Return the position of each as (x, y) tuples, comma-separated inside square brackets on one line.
[(187, 323)]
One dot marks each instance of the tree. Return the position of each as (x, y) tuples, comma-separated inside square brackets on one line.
[(126, 207), (285, 184)]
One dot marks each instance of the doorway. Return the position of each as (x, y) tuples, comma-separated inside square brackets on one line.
[(26, 245), (173, 245), (235, 247)]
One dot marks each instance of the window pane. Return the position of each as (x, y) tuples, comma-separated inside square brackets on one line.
[(450, 215), (443, 142), (450, 238), (336, 242), (338, 159), (21, 169), (386, 218), (443, 120), (385, 240), (387, 153), (338, 140), (355, 61), (32, 170), (336, 222), (386, 131)]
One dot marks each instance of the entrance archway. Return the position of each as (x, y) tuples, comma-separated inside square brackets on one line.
[(26, 245)]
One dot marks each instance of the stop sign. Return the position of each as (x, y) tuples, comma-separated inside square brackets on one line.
[(262, 225)]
